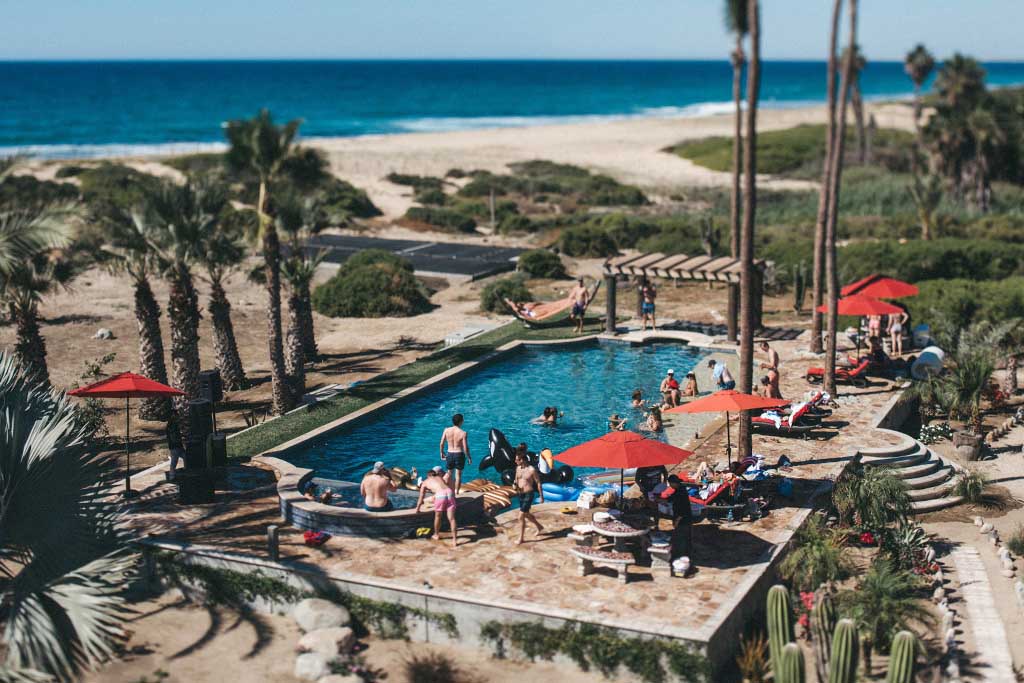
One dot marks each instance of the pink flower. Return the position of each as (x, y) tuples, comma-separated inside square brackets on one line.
[(867, 538), (804, 620)]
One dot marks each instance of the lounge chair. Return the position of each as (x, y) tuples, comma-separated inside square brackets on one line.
[(788, 424), (534, 312), (857, 376)]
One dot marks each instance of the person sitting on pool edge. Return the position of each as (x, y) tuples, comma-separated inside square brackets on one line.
[(670, 388), (458, 450), (720, 373), (374, 489), (690, 388), (439, 483)]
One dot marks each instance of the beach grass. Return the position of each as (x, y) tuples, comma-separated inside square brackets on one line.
[(287, 427)]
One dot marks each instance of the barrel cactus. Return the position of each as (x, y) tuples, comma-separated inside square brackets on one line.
[(791, 667), (842, 667), (823, 624), (780, 623), (902, 658)]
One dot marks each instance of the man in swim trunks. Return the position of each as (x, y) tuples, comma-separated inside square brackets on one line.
[(772, 357), (720, 373), (648, 293), (527, 483), (580, 299), (670, 389), (438, 483), (374, 489), (458, 450)]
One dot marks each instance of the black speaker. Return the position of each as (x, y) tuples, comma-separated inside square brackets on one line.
[(194, 487), (210, 386), (219, 445), (195, 453), (200, 419)]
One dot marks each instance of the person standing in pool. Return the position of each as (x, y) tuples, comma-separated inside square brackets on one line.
[(439, 483), (458, 450), (580, 299), (720, 373), (527, 483), (374, 489)]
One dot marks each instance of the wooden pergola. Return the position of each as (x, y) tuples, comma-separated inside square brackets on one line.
[(677, 267)]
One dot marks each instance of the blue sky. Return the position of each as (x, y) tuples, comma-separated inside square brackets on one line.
[(793, 29)]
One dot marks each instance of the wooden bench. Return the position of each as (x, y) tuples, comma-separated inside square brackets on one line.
[(586, 558)]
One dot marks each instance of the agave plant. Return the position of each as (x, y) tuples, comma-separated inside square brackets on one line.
[(63, 567)]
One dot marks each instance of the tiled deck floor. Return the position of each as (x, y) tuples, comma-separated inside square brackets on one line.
[(490, 566)]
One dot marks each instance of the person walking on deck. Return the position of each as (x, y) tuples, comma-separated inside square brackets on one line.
[(439, 483), (527, 483)]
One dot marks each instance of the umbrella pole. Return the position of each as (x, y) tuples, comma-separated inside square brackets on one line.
[(728, 439), (127, 447)]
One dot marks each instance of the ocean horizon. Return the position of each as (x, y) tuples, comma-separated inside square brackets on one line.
[(95, 109)]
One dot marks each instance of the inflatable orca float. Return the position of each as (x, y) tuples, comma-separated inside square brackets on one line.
[(501, 456)]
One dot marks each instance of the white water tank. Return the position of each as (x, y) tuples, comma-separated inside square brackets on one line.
[(928, 363)]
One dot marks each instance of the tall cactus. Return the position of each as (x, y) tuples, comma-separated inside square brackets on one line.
[(902, 658), (823, 623), (799, 287), (842, 666), (780, 623), (791, 667)]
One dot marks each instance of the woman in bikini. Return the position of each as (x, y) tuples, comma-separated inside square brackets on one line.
[(444, 501)]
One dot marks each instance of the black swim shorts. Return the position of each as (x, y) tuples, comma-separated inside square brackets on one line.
[(455, 461), (525, 501)]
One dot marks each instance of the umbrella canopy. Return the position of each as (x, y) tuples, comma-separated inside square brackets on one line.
[(880, 287), (860, 304), (729, 401), (126, 385), (623, 450)]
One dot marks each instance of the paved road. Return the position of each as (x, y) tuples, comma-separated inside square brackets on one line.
[(445, 258)]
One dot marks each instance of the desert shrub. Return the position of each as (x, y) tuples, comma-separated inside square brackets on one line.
[(513, 223), (872, 497), (431, 197), (970, 485), (342, 201), (27, 190), (625, 230), (446, 219), (815, 557), (372, 284), (588, 241), (455, 173), (202, 163), (539, 177), (115, 184), (417, 182), (542, 263), (1015, 542), (961, 302), (68, 171), (433, 667), (492, 297)]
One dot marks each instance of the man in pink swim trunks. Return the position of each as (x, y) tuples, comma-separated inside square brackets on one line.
[(437, 482)]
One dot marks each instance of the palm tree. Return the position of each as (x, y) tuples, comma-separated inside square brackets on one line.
[(835, 178), (926, 191), (182, 217), (857, 100), (918, 65), (261, 147), (987, 135), (300, 218), (736, 21), (871, 497), (747, 275), (960, 83), (62, 573), (127, 250), (884, 603), (816, 557), (22, 289), (222, 255), (818, 276)]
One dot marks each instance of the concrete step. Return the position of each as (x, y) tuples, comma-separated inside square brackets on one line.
[(906, 460), (935, 504), (905, 446), (932, 479), (919, 470), (933, 492)]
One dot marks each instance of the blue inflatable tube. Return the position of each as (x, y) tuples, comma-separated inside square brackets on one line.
[(557, 492)]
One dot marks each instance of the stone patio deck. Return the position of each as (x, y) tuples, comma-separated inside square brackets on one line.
[(541, 575)]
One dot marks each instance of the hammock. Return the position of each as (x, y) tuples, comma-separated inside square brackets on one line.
[(531, 312)]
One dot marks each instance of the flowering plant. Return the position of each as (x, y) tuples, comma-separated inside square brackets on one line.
[(867, 538)]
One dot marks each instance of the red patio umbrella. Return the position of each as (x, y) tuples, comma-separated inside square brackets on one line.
[(728, 401), (880, 287), (623, 450), (127, 385)]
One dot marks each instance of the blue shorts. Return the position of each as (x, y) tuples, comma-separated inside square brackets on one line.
[(731, 384), (455, 461), (577, 310), (647, 308)]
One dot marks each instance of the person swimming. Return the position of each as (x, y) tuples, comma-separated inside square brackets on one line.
[(638, 398), (654, 423), (616, 423)]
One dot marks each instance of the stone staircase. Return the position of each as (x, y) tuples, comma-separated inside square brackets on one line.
[(929, 479)]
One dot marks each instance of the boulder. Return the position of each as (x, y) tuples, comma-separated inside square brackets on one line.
[(103, 333), (315, 613), (987, 527), (311, 666), (978, 521), (328, 641)]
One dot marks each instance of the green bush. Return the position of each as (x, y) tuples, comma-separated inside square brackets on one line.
[(431, 197), (542, 263), (202, 163), (417, 182), (68, 171), (446, 219), (116, 184), (372, 284), (342, 200), (1015, 543), (586, 241), (538, 177), (492, 297), (625, 231), (28, 190), (515, 222), (962, 302)]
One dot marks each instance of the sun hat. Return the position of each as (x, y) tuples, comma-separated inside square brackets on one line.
[(437, 469), (378, 466), (671, 371)]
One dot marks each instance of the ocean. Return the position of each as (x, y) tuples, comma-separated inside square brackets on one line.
[(97, 109)]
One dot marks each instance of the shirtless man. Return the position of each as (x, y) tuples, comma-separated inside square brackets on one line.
[(458, 450), (374, 489), (670, 389), (648, 293), (527, 482), (580, 297), (439, 483), (720, 373), (772, 357)]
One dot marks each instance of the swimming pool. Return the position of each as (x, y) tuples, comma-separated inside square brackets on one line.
[(587, 381)]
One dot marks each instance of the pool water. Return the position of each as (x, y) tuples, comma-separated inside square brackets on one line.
[(588, 382), (346, 494)]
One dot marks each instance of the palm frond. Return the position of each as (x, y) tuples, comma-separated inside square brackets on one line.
[(27, 230)]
